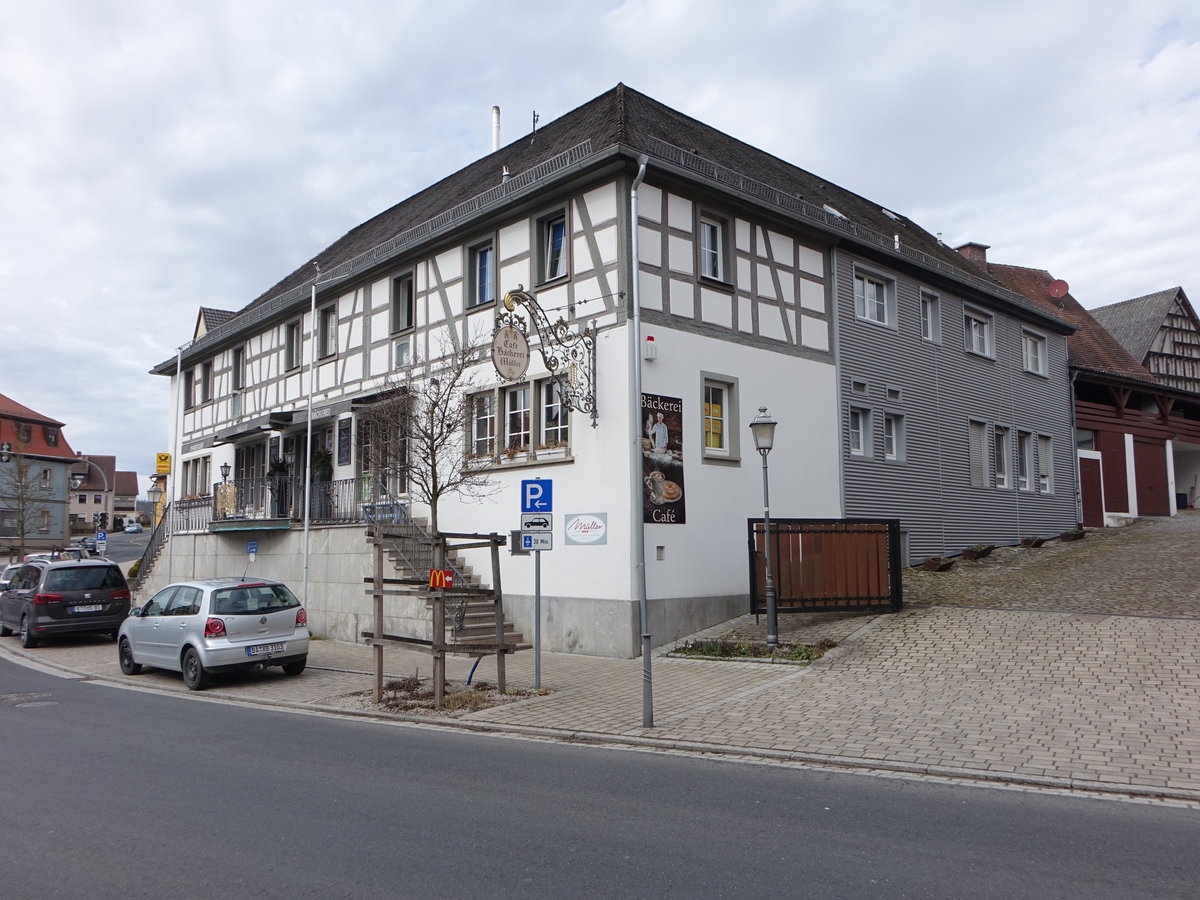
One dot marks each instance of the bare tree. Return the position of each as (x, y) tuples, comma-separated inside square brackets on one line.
[(414, 437), (22, 497)]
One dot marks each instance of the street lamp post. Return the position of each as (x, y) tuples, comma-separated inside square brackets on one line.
[(763, 427), (154, 494)]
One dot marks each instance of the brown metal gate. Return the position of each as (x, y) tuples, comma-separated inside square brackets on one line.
[(827, 564)]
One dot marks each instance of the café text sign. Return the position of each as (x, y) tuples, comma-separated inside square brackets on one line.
[(510, 353)]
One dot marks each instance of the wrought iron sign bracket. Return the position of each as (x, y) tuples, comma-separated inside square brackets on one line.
[(569, 355)]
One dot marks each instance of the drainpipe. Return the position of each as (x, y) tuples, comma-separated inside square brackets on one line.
[(638, 528), (176, 463), (312, 370)]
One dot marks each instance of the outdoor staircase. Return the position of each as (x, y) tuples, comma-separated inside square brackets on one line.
[(471, 608)]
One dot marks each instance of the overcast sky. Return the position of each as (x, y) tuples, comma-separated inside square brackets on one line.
[(158, 156)]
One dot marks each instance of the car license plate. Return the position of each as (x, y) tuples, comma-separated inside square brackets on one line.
[(263, 649), (91, 607)]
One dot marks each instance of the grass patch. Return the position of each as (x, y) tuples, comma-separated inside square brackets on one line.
[(716, 648)]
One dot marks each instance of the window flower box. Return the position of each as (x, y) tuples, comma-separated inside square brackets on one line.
[(977, 551), (937, 564)]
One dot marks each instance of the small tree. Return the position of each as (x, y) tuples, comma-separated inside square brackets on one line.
[(22, 497), (414, 436)]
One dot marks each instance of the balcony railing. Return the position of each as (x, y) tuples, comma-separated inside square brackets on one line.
[(345, 501)]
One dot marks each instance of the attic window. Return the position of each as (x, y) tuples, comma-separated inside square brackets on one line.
[(833, 212), (51, 436)]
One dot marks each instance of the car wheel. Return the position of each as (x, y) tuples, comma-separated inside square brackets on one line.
[(194, 675), (125, 652), (295, 668), (28, 641)]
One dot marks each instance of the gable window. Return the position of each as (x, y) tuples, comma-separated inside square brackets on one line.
[(555, 427), (483, 424), (238, 371), (291, 345), (1024, 460), (1045, 464), (483, 274), (874, 299), (893, 436), (327, 337), (1002, 452), (977, 453), (859, 435), (552, 237), (402, 303), (931, 317), (978, 336), (712, 248), (1033, 352)]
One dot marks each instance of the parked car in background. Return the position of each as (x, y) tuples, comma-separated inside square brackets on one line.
[(88, 543), (46, 598), (216, 625), (7, 574), (133, 528)]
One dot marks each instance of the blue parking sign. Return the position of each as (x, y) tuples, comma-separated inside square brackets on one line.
[(537, 495)]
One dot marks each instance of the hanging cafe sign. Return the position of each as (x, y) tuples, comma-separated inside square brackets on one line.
[(569, 356)]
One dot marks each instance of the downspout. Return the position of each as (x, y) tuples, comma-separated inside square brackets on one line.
[(637, 526), (176, 463), (312, 371)]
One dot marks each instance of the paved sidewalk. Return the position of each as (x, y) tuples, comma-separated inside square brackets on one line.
[(1083, 672)]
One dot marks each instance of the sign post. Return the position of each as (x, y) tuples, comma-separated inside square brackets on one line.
[(537, 503)]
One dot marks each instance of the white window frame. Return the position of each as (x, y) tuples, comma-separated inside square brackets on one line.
[(555, 424), (518, 420), (1033, 352), (482, 257), (1002, 456), (47, 479), (979, 333), (483, 424), (1024, 461), (403, 313), (292, 346), (327, 320), (237, 369), (189, 389), (1045, 464), (875, 298), (931, 317), (893, 436), (858, 431), (206, 381), (712, 245), (977, 452), (553, 263)]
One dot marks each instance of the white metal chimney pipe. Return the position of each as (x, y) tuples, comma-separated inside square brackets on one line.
[(495, 128)]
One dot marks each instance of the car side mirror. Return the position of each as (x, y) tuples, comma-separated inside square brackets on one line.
[(135, 611)]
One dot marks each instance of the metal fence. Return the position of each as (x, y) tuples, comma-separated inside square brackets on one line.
[(822, 565), (345, 501)]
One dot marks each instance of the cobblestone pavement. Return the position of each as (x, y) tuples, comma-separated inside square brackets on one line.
[(1075, 664)]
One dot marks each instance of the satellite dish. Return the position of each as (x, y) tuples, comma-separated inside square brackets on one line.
[(1057, 288)]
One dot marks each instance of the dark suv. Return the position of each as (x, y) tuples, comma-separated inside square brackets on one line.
[(48, 598)]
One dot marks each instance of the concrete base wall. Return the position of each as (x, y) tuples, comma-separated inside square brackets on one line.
[(339, 607)]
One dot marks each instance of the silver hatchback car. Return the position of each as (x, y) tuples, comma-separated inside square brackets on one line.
[(216, 625)]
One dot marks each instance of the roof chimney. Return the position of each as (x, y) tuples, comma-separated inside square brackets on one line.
[(976, 254)]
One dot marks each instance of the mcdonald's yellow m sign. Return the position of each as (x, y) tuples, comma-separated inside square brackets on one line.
[(441, 578)]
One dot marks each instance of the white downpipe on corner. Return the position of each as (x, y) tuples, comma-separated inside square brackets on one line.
[(312, 372), (176, 463), (638, 528)]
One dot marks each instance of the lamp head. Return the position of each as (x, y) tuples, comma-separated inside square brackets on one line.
[(763, 427)]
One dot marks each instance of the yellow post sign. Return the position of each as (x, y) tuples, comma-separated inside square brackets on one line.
[(162, 464)]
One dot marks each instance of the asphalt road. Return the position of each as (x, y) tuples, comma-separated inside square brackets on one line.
[(118, 793), (124, 547)]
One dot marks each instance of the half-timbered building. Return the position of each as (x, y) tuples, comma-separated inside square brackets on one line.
[(888, 361)]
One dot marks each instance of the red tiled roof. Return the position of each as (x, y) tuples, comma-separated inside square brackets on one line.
[(127, 484), (12, 412), (1091, 346)]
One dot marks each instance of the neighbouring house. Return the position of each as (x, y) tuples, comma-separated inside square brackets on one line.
[(894, 368), (35, 462), (125, 496), (1162, 332), (93, 485), (1137, 438)]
